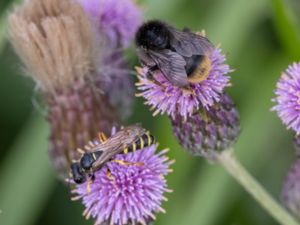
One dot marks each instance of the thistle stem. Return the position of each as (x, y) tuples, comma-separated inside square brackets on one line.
[(229, 162)]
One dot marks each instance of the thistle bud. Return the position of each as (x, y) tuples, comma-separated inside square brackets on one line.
[(291, 189), (297, 144), (208, 131)]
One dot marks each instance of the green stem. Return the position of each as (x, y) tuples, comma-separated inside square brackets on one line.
[(229, 162)]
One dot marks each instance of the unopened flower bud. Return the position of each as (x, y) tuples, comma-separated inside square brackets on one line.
[(291, 189), (297, 145)]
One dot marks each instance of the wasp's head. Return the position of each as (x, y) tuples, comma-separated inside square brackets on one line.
[(77, 173), (153, 35)]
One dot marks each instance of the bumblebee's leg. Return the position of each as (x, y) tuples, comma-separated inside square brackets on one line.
[(124, 163), (189, 90), (149, 74)]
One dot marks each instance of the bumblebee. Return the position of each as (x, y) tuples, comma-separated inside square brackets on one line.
[(181, 56)]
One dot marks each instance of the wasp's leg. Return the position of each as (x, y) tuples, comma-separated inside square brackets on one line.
[(124, 163), (91, 180), (102, 137), (111, 178), (80, 151)]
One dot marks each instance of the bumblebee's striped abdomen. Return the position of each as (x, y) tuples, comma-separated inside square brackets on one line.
[(199, 70), (143, 141)]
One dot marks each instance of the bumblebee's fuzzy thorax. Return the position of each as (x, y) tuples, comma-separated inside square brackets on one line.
[(153, 35)]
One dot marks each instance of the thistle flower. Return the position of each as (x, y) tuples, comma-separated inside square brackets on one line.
[(288, 97), (208, 131), (117, 84), (57, 44), (164, 97), (127, 194), (115, 22), (291, 189), (117, 19)]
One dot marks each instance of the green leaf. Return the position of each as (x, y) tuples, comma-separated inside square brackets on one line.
[(26, 176), (287, 28)]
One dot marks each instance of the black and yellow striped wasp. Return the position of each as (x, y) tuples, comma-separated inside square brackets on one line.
[(126, 140)]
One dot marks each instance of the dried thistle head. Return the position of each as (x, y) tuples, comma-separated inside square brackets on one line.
[(55, 41), (58, 46)]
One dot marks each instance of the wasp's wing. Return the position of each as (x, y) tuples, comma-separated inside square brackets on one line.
[(172, 65), (117, 143), (107, 155), (188, 43)]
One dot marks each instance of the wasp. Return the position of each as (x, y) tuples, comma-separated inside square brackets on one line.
[(97, 154)]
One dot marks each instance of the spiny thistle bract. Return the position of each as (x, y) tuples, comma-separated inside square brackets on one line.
[(291, 189), (208, 131)]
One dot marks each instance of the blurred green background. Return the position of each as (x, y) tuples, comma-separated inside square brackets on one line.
[(260, 38)]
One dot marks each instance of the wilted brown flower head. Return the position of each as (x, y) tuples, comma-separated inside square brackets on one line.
[(58, 47)]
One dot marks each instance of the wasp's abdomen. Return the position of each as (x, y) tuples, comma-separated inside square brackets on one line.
[(143, 141)]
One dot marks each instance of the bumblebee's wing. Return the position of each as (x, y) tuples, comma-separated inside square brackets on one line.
[(145, 58), (188, 43), (172, 65)]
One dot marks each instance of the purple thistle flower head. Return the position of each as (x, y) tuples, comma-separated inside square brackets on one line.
[(114, 80), (288, 97), (127, 194), (206, 132), (164, 97), (291, 189), (118, 19)]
